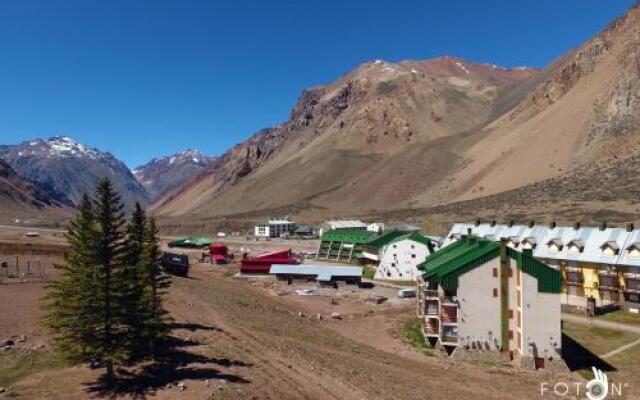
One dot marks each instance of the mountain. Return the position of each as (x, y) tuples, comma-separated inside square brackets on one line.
[(67, 169), (371, 138), (443, 134), (19, 198), (161, 175)]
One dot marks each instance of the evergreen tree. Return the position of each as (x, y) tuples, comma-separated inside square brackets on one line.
[(154, 316), (133, 282), (111, 333), (70, 303)]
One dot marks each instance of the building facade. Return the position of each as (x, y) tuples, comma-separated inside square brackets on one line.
[(275, 227), (599, 263), (342, 245), (483, 295), (397, 254)]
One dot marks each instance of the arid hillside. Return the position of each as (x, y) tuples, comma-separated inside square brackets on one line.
[(385, 128), (20, 199), (388, 137)]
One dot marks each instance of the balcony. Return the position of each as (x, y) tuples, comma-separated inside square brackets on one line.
[(430, 294), (432, 328), (449, 315), (574, 279), (431, 308), (450, 339), (608, 282)]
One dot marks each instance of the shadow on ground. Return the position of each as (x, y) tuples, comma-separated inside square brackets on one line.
[(174, 364), (578, 357)]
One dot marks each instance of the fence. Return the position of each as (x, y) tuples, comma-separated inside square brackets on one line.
[(23, 269)]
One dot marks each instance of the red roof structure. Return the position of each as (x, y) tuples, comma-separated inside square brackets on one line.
[(262, 264)]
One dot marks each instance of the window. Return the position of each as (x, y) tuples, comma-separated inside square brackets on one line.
[(413, 256), (519, 319), (394, 246), (413, 247), (495, 292), (518, 298), (495, 272), (393, 264), (510, 314), (510, 334)]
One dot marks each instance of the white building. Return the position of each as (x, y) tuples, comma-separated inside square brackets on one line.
[(275, 227), (343, 224), (397, 254), (483, 295)]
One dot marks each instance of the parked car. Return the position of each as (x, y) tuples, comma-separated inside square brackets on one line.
[(175, 264)]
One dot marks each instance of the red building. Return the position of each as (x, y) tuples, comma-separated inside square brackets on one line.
[(219, 253), (262, 264)]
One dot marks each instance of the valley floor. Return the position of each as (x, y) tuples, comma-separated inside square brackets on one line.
[(238, 340)]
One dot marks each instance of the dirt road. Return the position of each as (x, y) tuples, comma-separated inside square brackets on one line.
[(237, 341)]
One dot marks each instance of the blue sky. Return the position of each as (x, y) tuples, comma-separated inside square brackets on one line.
[(148, 78)]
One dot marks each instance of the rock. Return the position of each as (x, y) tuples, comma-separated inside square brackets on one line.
[(6, 343), (2, 390), (336, 315), (181, 386), (301, 314), (319, 316), (21, 338), (38, 347)]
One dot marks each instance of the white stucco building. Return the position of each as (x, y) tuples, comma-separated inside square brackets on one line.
[(275, 227), (482, 295), (397, 254)]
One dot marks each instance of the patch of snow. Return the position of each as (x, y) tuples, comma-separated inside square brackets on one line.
[(459, 64), (377, 62), (414, 71), (33, 143), (172, 160), (196, 160), (20, 154)]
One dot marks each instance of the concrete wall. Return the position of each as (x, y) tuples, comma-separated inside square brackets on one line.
[(479, 316), (540, 320), (397, 263)]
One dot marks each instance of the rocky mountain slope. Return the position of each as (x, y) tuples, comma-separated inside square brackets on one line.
[(419, 134), (66, 169), (161, 175), (388, 126), (18, 197)]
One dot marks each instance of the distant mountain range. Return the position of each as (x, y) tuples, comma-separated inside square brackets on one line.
[(62, 169), (439, 139), (162, 175)]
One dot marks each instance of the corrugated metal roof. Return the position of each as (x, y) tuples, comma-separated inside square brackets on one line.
[(346, 223), (322, 272), (591, 240)]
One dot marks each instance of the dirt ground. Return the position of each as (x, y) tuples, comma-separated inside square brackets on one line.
[(244, 339)]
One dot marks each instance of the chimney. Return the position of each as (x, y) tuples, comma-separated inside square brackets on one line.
[(477, 221), (576, 226), (493, 222), (532, 224), (552, 225), (469, 231), (603, 226), (630, 227), (511, 223)]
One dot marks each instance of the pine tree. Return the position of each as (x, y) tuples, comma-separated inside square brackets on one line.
[(70, 304), (133, 283), (156, 283), (112, 340)]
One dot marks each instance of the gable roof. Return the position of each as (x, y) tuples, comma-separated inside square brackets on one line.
[(390, 237), (447, 265)]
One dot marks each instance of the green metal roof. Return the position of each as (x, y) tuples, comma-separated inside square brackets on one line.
[(349, 236), (191, 241), (448, 264), (396, 236)]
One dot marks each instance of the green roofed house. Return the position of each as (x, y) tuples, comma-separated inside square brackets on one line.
[(343, 245), (191, 241), (396, 254), (483, 295)]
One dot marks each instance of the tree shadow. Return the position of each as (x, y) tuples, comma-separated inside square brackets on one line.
[(172, 365), (579, 357), (193, 327)]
